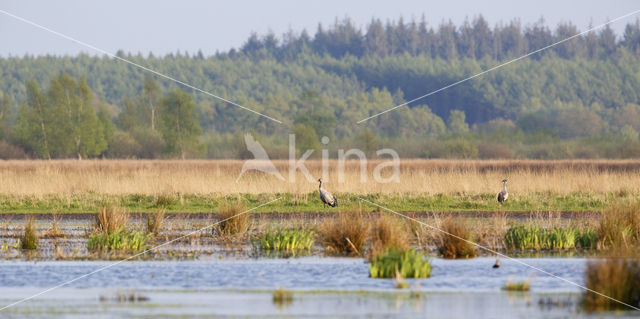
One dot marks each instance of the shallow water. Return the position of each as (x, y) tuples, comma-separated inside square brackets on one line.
[(323, 287)]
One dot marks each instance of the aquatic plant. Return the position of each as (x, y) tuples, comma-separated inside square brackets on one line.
[(619, 226), (345, 234), (110, 218), (155, 220), (616, 277), (517, 285), (452, 246), (30, 237), (556, 238), (282, 297), (389, 232), (233, 222), (285, 239), (408, 264), (120, 239)]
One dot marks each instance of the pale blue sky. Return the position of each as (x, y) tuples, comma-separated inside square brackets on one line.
[(167, 26)]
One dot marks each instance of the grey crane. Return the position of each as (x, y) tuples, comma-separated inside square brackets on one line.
[(326, 197), (503, 195)]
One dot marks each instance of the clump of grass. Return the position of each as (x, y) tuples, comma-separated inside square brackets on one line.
[(618, 278), (587, 238), (389, 232), (619, 227), (282, 297), (164, 200), (30, 239), (55, 231), (345, 234), (110, 219), (393, 263), (120, 239), (232, 221), (285, 239), (155, 220), (455, 247), (517, 285)]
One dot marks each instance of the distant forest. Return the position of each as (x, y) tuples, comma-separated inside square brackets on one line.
[(579, 99)]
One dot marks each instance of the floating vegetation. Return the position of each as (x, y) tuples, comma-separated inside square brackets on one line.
[(557, 238), (285, 239), (459, 245), (345, 234), (517, 285), (30, 237), (408, 264), (121, 239), (618, 278)]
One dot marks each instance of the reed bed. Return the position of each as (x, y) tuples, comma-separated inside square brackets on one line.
[(517, 285), (616, 277), (389, 232), (155, 221), (201, 177), (110, 218), (619, 227)]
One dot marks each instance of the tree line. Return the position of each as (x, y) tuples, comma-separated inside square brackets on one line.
[(578, 100)]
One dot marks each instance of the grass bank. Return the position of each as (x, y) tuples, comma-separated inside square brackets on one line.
[(309, 202)]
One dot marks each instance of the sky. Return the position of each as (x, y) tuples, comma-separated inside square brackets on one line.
[(163, 26)]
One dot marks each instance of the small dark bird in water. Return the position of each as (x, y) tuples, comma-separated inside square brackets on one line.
[(326, 197), (497, 264), (502, 196)]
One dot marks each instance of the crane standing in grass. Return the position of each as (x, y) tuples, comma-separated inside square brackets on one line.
[(502, 196), (326, 197)]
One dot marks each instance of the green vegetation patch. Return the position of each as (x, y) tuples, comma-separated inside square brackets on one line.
[(409, 264), (280, 239), (121, 239), (557, 238), (91, 202)]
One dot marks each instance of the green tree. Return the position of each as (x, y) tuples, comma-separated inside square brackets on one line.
[(456, 122), (151, 94), (306, 138), (32, 128), (180, 127), (5, 108)]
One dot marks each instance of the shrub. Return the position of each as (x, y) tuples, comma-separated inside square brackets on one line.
[(618, 278), (120, 239), (110, 219), (30, 238), (285, 239), (453, 247), (394, 263), (345, 234), (232, 221)]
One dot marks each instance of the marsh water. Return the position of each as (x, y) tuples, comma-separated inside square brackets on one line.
[(321, 288)]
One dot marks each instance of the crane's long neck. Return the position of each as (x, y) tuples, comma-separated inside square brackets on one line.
[(320, 186), (504, 188)]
